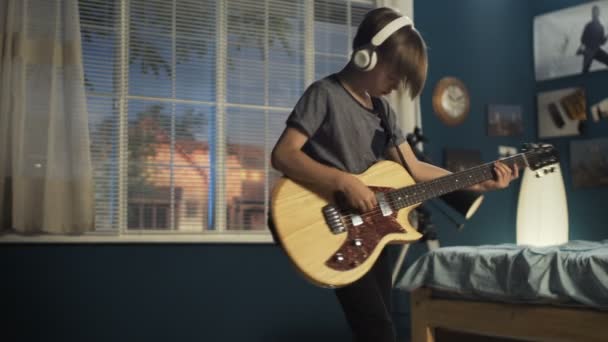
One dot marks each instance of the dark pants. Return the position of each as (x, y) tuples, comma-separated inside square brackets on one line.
[(367, 304), (600, 56)]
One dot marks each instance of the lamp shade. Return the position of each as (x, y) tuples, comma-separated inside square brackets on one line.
[(542, 209), (464, 202)]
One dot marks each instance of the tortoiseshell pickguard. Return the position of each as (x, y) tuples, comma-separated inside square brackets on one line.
[(369, 234)]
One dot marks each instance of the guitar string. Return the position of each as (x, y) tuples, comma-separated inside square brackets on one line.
[(392, 202), (377, 210)]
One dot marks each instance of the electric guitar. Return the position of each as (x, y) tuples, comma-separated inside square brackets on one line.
[(333, 245)]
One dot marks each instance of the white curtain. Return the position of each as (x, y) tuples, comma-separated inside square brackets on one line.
[(46, 183), (408, 110)]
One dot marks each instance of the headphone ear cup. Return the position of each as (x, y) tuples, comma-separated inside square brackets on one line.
[(361, 59), (372, 61)]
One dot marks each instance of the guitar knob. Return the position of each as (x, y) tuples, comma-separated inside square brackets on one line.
[(339, 257)]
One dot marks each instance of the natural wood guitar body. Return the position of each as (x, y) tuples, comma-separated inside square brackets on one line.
[(306, 237)]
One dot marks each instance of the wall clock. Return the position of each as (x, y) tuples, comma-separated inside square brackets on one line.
[(451, 101)]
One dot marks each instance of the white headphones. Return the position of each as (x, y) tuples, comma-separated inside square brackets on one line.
[(365, 58)]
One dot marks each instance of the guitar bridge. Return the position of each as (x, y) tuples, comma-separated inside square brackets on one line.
[(334, 219)]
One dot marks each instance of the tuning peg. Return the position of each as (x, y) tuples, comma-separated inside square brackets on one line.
[(538, 174)]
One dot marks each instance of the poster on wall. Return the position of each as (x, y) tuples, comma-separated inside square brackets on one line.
[(560, 112), (457, 159), (504, 120), (571, 41), (589, 162), (600, 110)]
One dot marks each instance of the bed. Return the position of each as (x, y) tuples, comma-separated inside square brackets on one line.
[(556, 293)]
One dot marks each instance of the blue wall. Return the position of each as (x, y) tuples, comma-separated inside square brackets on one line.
[(200, 292), (489, 45), (160, 292), (587, 207)]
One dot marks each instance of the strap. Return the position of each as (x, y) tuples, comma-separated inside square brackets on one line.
[(387, 128)]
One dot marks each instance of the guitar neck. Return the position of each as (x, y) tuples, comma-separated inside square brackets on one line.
[(414, 194)]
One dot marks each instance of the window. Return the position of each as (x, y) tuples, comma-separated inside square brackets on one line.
[(335, 27), (186, 99), (192, 208)]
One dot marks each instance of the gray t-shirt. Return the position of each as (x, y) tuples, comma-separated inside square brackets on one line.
[(342, 133)]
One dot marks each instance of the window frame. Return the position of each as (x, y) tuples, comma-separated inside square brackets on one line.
[(220, 234)]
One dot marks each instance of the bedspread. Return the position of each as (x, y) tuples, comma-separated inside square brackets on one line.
[(572, 273)]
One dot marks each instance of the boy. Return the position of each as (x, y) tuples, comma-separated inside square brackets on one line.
[(335, 131)]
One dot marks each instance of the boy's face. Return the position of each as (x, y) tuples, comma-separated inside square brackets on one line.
[(382, 80)]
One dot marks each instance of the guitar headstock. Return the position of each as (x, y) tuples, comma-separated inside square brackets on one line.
[(541, 158)]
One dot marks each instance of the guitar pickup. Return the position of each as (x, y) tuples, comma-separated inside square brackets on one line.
[(385, 207)]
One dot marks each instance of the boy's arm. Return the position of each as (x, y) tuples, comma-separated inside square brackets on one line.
[(288, 158), (421, 171)]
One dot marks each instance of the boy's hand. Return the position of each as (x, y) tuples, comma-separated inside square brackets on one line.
[(358, 195), (504, 176)]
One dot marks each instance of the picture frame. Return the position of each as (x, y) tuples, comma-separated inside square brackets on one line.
[(460, 159), (561, 112), (565, 42), (589, 162), (600, 110), (504, 120)]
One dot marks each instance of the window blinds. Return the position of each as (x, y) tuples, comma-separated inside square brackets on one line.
[(100, 53), (188, 97)]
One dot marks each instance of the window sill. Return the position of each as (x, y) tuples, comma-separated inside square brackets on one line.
[(212, 237)]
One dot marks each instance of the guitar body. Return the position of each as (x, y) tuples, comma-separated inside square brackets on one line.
[(332, 258)]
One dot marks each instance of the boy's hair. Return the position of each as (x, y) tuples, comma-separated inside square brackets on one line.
[(404, 50)]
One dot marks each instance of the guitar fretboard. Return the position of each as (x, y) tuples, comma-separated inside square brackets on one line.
[(417, 193)]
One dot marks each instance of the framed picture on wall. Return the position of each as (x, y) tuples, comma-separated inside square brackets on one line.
[(504, 120), (571, 41), (589, 162), (456, 159), (560, 112), (600, 110)]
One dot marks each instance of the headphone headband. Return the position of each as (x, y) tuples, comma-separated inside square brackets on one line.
[(389, 29), (365, 58)]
